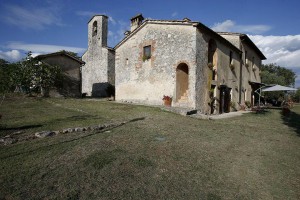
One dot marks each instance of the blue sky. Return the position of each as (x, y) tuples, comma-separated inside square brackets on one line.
[(45, 26)]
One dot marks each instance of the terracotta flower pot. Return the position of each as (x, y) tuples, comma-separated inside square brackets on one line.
[(168, 102)]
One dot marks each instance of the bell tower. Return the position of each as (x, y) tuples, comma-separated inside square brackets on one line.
[(98, 71), (97, 31)]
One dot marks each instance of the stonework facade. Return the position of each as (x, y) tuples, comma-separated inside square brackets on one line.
[(183, 59), (98, 72), (250, 65)]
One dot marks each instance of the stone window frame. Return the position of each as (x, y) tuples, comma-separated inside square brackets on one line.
[(147, 52), (231, 62), (246, 59), (230, 58), (94, 30), (151, 43), (253, 63)]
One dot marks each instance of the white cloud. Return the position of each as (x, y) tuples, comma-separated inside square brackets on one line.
[(174, 14), (19, 49), (116, 34), (112, 20), (31, 18), (231, 26), (225, 26), (42, 48), (13, 55), (283, 50)]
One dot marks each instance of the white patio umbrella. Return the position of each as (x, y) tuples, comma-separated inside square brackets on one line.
[(278, 88), (272, 89)]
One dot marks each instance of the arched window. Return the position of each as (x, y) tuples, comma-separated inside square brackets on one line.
[(182, 82), (94, 28), (212, 47), (212, 57)]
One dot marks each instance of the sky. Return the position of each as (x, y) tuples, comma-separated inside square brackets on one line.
[(47, 26)]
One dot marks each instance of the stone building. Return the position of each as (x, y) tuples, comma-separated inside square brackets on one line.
[(71, 71), (98, 72), (199, 68), (249, 65)]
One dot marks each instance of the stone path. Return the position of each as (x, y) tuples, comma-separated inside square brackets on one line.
[(193, 113)]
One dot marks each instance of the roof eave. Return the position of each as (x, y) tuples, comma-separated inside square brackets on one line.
[(249, 41), (96, 16), (60, 53), (200, 25)]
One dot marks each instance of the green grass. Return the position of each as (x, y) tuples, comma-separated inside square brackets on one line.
[(157, 155)]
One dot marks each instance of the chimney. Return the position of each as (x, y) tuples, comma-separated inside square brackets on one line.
[(136, 21)]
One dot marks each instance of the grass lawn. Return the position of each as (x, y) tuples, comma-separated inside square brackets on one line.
[(156, 155)]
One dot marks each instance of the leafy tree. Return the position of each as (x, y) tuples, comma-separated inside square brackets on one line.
[(275, 74), (296, 96), (4, 78), (38, 76), (9, 75)]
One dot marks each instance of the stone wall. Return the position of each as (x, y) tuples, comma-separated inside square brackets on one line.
[(98, 71), (250, 69), (71, 84), (179, 52), (202, 84), (146, 81), (224, 76)]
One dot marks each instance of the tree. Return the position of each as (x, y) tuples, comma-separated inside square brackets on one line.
[(9, 76), (29, 75), (296, 96), (4, 78), (38, 76), (275, 74)]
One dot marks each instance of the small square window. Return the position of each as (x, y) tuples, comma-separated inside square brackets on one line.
[(147, 52)]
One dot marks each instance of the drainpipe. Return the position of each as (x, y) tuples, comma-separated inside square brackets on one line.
[(241, 75)]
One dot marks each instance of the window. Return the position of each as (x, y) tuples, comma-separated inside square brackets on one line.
[(94, 28), (253, 63), (231, 65), (147, 52)]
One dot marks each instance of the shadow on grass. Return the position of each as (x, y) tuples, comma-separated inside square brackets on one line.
[(4, 128), (260, 112), (75, 139), (292, 120), (76, 118)]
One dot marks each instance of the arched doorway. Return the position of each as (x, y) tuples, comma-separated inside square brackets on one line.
[(182, 82)]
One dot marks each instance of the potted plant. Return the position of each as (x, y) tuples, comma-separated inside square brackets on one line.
[(242, 107), (232, 106), (248, 104), (210, 65), (167, 100)]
